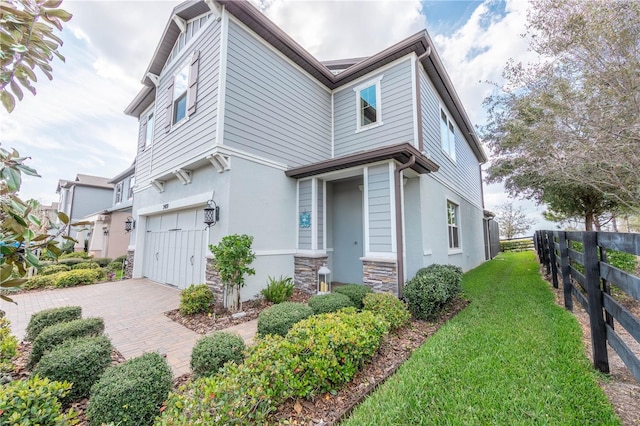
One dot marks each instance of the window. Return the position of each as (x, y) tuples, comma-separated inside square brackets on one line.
[(368, 109), (118, 192), (180, 86), (452, 224), (132, 183), (447, 135), (148, 138)]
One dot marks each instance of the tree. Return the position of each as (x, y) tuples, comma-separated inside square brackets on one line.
[(573, 119), (233, 257), (27, 41), (513, 221)]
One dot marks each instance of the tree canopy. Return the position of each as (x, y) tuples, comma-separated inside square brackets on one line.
[(512, 220), (566, 130)]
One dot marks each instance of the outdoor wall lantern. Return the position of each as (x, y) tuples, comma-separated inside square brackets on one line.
[(105, 232), (324, 280), (211, 213), (129, 224)]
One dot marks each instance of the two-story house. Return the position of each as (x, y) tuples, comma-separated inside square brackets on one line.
[(369, 165)]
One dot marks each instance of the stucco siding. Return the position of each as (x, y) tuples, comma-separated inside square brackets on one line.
[(379, 193), (396, 107), (304, 206), (272, 109), (463, 174)]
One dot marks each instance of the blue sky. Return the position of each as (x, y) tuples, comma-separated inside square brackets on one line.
[(75, 123)]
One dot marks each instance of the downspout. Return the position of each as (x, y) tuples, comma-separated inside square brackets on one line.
[(399, 238)]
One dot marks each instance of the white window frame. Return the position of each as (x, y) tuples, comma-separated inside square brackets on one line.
[(119, 190), (359, 126), (448, 137), (132, 183), (453, 227), (186, 67), (148, 136)]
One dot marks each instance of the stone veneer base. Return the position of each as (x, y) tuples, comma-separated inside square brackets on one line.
[(305, 272), (380, 275), (212, 277), (128, 267)]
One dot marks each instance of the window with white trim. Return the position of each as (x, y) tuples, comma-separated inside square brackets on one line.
[(119, 192), (453, 225), (180, 86), (447, 135), (132, 183), (368, 105), (148, 137)]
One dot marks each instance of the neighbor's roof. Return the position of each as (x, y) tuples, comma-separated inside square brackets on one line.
[(420, 44), (124, 174), (85, 180)]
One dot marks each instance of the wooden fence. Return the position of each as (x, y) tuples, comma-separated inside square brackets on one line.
[(517, 244), (579, 259)]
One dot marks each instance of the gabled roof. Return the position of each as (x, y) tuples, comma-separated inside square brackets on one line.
[(85, 180), (124, 174), (420, 44)]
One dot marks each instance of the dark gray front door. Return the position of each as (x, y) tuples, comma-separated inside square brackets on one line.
[(347, 231)]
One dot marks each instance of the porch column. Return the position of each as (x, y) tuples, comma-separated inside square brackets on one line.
[(311, 240)]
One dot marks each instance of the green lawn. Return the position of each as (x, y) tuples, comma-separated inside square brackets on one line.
[(512, 357)]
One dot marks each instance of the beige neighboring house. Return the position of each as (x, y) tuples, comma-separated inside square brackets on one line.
[(48, 214)]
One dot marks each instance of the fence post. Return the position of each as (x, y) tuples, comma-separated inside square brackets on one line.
[(552, 259), (540, 247), (596, 317), (545, 253), (564, 270), (606, 287)]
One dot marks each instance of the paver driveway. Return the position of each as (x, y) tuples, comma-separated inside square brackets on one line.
[(133, 315)]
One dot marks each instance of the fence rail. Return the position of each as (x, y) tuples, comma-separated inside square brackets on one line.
[(516, 244), (579, 259)]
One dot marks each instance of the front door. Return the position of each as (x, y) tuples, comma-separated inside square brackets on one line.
[(347, 230)]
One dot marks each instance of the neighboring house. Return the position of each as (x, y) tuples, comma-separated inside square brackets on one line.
[(48, 215), (369, 165), (107, 234), (81, 197)]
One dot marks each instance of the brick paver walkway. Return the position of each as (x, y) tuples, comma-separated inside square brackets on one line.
[(133, 312)]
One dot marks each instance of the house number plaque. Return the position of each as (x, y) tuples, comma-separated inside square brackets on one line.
[(305, 220)]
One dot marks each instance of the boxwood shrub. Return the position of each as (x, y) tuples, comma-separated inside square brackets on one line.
[(325, 303), (102, 261), (71, 261), (53, 269), (211, 352), (130, 393), (75, 255), (356, 293), (431, 289), (85, 265), (80, 361), (34, 402), (40, 320), (196, 299), (78, 277), (40, 281), (57, 334), (279, 318), (389, 307)]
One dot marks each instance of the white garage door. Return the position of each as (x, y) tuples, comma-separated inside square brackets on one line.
[(174, 248)]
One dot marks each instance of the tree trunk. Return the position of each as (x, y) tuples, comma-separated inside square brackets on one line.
[(596, 223), (614, 223), (588, 222)]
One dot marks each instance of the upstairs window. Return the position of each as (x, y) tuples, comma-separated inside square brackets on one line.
[(119, 192), (148, 137), (182, 93), (447, 136), (180, 85), (368, 106), (452, 225)]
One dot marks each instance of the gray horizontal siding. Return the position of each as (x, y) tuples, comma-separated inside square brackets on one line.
[(397, 115), (199, 132), (304, 205), (271, 108), (143, 159), (464, 173), (379, 196), (88, 200)]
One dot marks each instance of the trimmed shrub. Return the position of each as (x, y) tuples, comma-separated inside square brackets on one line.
[(279, 318), (80, 361), (431, 289), (40, 281), (211, 352), (53, 269), (356, 293), (34, 402), (57, 334), (40, 320), (278, 290), (78, 277), (325, 303), (75, 255), (130, 393), (85, 265), (120, 259), (114, 266), (8, 345), (71, 261), (102, 261), (389, 307), (195, 299)]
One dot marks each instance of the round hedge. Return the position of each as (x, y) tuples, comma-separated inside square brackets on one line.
[(211, 352), (356, 293), (279, 318), (325, 303), (43, 319), (389, 307)]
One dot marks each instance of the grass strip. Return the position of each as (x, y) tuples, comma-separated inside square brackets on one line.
[(512, 357)]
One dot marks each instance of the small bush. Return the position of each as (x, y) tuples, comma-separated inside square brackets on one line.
[(8, 345), (78, 277), (430, 290), (40, 320), (440, 268), (195, 299), (34, 402), (356, 293), (40, 281), (53, 269), (57, 334), (278, 290), (71, 261), (325, 303), (85, 265), (114, 266), (389, 307), (130, 393), (80, 361), (102, 261), (279, 318), (120, 259), (211, 352), (75, 255)]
